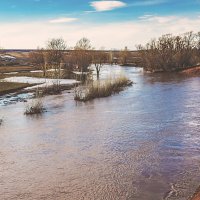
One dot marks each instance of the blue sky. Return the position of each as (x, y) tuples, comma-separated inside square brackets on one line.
[(37, 20)]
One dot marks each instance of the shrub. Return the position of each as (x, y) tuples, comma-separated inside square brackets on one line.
[(34, 107), (1, 122), (49, 90), (100, 89)]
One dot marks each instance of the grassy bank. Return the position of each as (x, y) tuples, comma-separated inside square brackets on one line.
[(7, 87), (99, 89)]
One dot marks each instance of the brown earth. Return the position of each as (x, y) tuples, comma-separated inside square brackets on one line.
[(196, 195), (195, 71)]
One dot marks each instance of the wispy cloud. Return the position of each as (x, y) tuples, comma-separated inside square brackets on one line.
[(62, 20), (158, 19), (145, 17), (101, 6), (148, 2)]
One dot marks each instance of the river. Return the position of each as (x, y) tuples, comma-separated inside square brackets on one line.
[(140, 144)]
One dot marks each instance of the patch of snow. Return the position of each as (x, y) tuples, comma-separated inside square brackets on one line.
[(78, 73), (41, 82), (49, 70), (7, 57), (36, 71), (11, 73), (53, 70)]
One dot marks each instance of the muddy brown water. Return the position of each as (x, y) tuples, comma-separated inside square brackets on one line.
[(141, 144)]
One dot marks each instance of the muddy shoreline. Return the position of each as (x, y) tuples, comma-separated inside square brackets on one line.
[(196, 195)]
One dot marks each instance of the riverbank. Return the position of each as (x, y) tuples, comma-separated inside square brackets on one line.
[(196, 196), (194, 71), (189, 71)]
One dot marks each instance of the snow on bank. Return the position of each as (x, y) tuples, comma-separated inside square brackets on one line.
[(41, 82), (11, 73), (80, 73), (49, 70)]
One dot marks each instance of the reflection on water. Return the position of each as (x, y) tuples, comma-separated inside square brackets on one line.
[(143, 143)]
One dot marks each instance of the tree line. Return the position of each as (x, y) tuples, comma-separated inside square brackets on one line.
[(82, 56), (170, 52)]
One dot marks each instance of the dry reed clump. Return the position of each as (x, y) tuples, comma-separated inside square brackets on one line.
[(34, 107), (51, 90), (100, 89)]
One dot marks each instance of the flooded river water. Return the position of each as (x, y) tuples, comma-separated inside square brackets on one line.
[(141, 144)]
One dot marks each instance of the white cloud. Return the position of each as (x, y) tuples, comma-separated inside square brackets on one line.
[(110, 35), (107, 5), (62, 20)]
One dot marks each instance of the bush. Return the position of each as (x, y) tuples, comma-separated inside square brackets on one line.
[(100, 89), (34, 107), (1, 122), (49, 90)]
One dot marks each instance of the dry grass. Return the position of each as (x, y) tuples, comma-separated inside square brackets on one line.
[(55, 89), (8, 69), (34, 107), (100, 89), (8, 87), (49, 74), (28, 74)]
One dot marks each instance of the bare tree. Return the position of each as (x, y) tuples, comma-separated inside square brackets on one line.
[(55, 51), (82, 57), (38, 58), (99, 58), (124, 56)]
